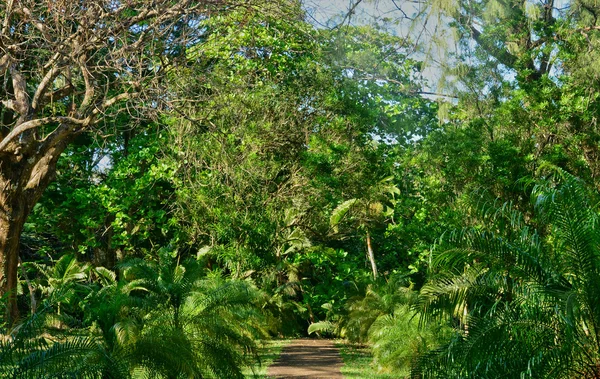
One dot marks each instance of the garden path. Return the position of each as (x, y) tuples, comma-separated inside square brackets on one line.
[(308, 359)]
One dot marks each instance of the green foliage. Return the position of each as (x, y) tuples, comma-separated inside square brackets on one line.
[(377, 302), (329, 278), (121, 194), (162, 319), (284, 135), (382, 317), (533, 295), (398, 339)]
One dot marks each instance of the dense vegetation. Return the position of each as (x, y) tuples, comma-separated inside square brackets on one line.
[(184, 179)]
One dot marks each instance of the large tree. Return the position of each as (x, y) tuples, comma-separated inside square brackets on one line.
[(528, 75), (65, 66)]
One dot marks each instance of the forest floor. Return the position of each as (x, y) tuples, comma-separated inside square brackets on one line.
[(308, 359)]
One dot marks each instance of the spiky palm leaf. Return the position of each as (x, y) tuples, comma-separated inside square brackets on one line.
[(31, 353), (165, 320), (397, 339), (378, 300), (199, 327), (531, 304)]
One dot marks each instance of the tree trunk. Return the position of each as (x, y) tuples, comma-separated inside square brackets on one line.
[(105, 255), (371, 255), (12, 219), (24, 175)]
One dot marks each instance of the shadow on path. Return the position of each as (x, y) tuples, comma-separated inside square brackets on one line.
[(309, 359)]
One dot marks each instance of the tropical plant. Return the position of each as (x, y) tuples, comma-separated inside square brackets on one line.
[(35, 348), (363, 212), (53, 98), (164, 319), (383, 318), (533, 293), (377, 301), (398, 339), (211, 321)]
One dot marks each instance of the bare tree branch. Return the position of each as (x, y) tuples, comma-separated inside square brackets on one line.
[(401, 85), (42, 87), (113, 100), (21, 100), (6, 23), (32, 124), (89, 88)]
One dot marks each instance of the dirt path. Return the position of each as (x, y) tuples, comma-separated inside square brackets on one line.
[(308, 359)]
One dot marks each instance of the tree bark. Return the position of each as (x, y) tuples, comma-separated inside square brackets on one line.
[(11, 225), (105, 255), (24, 175), (371, 255)]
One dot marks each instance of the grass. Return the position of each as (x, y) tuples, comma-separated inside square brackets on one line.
[(358, 363), (268, 353)]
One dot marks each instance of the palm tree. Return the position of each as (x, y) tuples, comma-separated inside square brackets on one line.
[(526, 304), (363, 212), (44, 346), (165, 319), (198, 326), (379, 300), (383, 319)]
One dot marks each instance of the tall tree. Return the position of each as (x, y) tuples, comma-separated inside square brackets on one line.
[(526, 76), (65, 66), (363, 212), (288, 122)]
